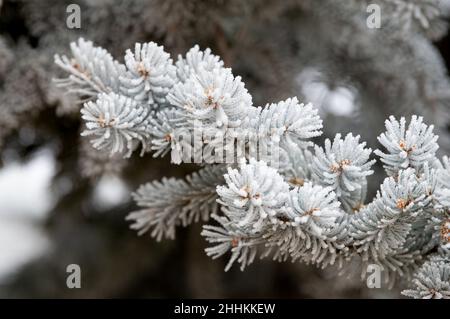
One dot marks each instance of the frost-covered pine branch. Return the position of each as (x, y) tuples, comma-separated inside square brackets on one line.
[(432, 280), (172, 202), (150, 73), (407, 147), (117, 122), (299, 201), (344, 165), (92, 70)]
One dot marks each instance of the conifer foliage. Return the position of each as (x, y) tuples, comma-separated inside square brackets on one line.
[(298, 201)]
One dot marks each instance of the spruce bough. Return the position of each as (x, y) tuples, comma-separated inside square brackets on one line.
[(308, 205)]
